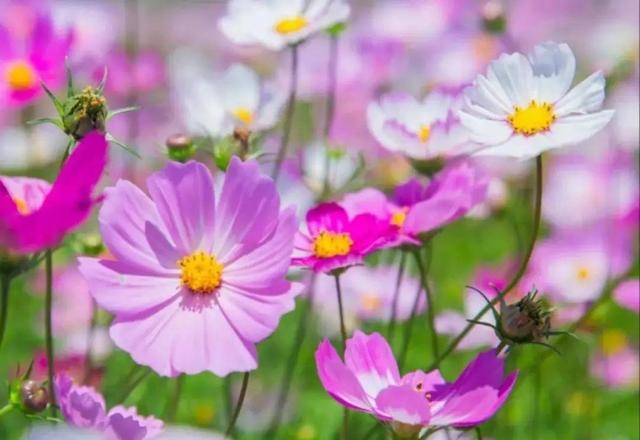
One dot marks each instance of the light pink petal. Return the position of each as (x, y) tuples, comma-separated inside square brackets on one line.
[(370, 358), (627, 294), (368, 200), (403, 404)]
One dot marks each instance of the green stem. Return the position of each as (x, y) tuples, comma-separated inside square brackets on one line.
[(343, 330), (409, 329), (5, 285), (431, 317), (236, 413), (6, 409), (130, 388), (517, 277), (48, 330), (396, 296), (288, 118), (172, 406)]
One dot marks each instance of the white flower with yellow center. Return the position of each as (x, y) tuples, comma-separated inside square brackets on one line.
[(523, 106), (275, 24), (215, 104)]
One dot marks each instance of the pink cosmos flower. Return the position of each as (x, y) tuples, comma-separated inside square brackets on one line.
[(143, 74), (83, 407), (25, 62), (416, 208), (35, 215), (627, 294), (615, 363), (336, 241), (196, 281), (368, 380)]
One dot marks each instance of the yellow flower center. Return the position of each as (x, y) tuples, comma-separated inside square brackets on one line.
[(200, 272), (21, 76), (290, 25), (21, 205), (371, 303), (331, 244), (243, 114), (398, 217), (533, 119), (424, 133), (612, 341), (583, 273)]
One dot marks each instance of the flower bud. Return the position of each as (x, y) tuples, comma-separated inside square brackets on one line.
[(223, 151), (11, 263), (84, 112), (528, 320), (180, 147), (90, 245), (29, 396), (493, 17)]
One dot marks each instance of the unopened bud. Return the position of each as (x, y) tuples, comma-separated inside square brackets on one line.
[(528, 320), (493, 17), (85, 112), (29, 396), (223, 151), (91, 245), (180, 147)]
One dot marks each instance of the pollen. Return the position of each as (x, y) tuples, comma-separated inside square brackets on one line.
[(398, 218), (331, 244), (424, 133), (21, 205), (290, 25), (533, 119), (200, 272), (583, 273), (243, 114), (371, 302), (20, 76)]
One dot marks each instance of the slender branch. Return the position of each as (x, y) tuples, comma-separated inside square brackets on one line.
[(343, 330), (396, 295), (129, 388), (171, 411), (236, 413), (431, 317), (517, 277), (5, 285), (6, 409), (288, 119), (48, 329), (292, 361), (409, 329), (332, 73)]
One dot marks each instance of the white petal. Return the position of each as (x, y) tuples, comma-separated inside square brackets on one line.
[(584, 98), (514, 74), (485, 131), (240, 88), (554, 66)]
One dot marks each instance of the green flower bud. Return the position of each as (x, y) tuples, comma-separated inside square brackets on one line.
[(84, 112), (90, 245), (493, 18), (180, 147), (29, 396)]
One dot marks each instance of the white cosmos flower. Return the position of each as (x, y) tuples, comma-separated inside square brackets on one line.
[(275, 24), (523, 106), (215, 103), (423, 129)]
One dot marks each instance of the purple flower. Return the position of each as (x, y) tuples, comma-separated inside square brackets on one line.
[(627, 294), (35, 216), (368, 380), (196, 282), (83, 407)]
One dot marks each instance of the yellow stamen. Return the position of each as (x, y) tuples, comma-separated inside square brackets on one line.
[(200, 272), (371, 303), (533, 119), (21, 76), (424, 133), (290, 25), (21, 205), (243, 114), (583, 273), (398, 217), (331, 244)]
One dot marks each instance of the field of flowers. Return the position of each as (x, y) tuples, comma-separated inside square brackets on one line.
[(319, 219)]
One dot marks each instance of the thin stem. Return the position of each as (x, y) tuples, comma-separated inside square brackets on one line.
[(292, 361), (129, 389), (431, 317), (5, 285), (288, 118), (48, 329), (332, 73), (343, 330), (409, 329), (478, 433), (236, 413), (6, 409), (172, 406), (396, 296), (517, 277)]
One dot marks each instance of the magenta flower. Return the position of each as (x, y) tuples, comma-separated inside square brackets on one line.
[(416, 208), (368, 380), (627, 294), (196, 282), (35, 215), (335, 241), (39, 58), (83, 407)]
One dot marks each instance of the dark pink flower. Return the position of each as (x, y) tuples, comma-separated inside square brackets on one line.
[(35, 215)]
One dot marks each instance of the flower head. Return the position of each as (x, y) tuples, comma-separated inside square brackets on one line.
[(196, 282), (426, 129), (336, 241), (25, 64), (35, 215), (368, 380), (523, 106), (627, 294), (275, 24), (83, 407)]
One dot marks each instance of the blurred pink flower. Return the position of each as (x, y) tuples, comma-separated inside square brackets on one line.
[(83, 407), (627, 294), (369, 381), (143, 74), (35, 216), (26, 61), (616, 363), (195, 283)]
